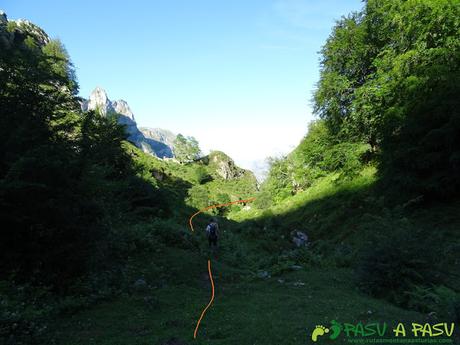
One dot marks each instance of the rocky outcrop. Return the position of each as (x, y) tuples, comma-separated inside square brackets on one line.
[(11, 30), (122, 108), (223, 167), (227, 170), (99, 101), (161, 140), (3, 18), (31, 29)]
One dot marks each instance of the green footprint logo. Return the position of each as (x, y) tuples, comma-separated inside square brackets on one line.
[(336, 329), (318, 331)]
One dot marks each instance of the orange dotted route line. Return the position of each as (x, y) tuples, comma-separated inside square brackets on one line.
[(209, 261), (210, 302), (215, 206)]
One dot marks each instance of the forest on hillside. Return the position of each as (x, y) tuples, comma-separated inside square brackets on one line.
[(92, 225)]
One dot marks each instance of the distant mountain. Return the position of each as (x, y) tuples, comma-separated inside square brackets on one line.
[(156, 136), (157, 142)]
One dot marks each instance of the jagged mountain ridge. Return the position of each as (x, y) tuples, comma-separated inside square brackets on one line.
[(156, 141)]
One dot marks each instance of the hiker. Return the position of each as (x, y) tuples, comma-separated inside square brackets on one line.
[(212, 232)]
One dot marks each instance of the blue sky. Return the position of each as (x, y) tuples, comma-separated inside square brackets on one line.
[(236, 74)]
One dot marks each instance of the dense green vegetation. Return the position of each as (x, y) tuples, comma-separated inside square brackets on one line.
[(95, 247), (385, 147), (390, 79), (388, 93), (80, 205), (186, 149)]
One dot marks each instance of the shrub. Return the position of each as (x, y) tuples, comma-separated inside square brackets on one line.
[(24, 313), (201, 175), (198, 197), (439, 299), (263, 200), (222, 198), (398, 258)]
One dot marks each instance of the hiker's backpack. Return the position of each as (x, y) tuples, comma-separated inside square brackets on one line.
[(213, 230)]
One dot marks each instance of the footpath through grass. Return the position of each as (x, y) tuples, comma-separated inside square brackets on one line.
[(262, 295), (247, 309)]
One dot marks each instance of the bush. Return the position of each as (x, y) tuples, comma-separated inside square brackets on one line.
[(198, 197), (263, 200), (24, 313), (318, 155), (320, 254), (201, 175), (221, 199), (398, 258), (439, 299)]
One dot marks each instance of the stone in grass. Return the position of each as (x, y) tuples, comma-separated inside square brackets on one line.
[(140, 285), (299, 238), (296, 267), (263, 274)]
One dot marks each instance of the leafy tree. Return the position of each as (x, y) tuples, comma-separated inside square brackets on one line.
[(389, 77), (319, 154), (186, 149), (198, 197), (202, 175), (278, 179), (65, 178), (222, 198), (263, 200)]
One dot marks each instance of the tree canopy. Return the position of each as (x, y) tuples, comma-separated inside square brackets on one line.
[(64, 174), (186, 149)]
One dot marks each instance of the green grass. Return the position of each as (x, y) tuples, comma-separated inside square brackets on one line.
[(247, 311), (324, 188)]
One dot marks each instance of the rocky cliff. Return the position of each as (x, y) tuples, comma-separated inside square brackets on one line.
[(153, 141), (222, 166), (22, 27), (161, 140)]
